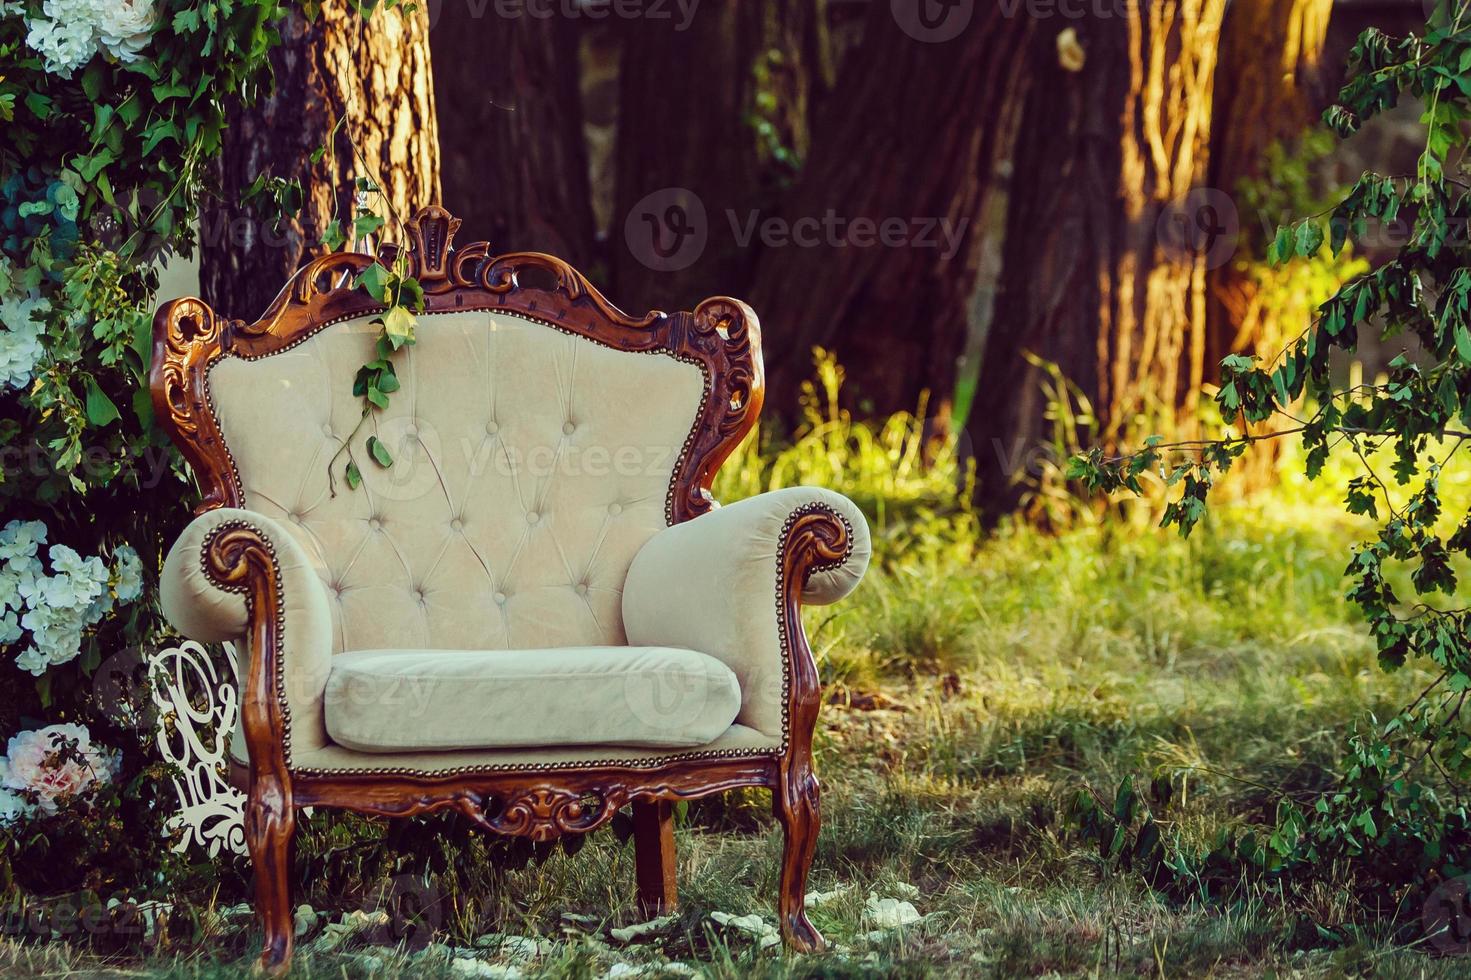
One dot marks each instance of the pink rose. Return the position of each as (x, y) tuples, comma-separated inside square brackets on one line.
[(37, 764)]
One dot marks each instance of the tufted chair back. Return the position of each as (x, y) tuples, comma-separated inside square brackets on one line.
[(529, 466)]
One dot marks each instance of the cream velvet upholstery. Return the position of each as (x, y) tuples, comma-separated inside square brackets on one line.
[(410, 700), (522, 528), (529, 466), (202, 611), (710, 585)]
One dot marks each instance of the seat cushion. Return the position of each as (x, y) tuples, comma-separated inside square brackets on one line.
[(445, 700)]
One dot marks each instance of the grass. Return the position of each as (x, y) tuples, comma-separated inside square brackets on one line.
[(976, 684)]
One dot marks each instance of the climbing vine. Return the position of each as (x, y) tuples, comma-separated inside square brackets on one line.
[(112, 114)]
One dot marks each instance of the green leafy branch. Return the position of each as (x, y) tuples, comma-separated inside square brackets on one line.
[(1395, 814)]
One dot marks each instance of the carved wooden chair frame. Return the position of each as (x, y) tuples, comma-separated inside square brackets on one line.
[(722, 336)]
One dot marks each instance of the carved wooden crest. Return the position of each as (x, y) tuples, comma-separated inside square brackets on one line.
[(721, 335)]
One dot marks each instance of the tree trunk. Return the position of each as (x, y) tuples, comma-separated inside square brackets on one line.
[(372, 73), (1108, 238), (885, 235), (1269, 90), (510, 124), (713, 122)]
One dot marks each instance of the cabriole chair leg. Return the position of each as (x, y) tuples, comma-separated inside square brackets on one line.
[(268, 830), (795, 802)]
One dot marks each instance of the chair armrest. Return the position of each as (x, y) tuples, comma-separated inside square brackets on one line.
[(729, 584), (220, 573)]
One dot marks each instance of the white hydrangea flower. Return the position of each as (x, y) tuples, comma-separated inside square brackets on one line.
[(10, 630), (126, 28), (32, 661), (56, 609), (69, 32), (18, 574), (129, 574), (66, 39), (9, 591), (20, 341), (56, 632), (83, 571), (22, 539)]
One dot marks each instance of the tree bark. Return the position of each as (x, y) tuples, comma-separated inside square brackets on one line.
[(713, 121), (510, 124), (371, 73), (1104, 274), (907, 156), (1269, 89)]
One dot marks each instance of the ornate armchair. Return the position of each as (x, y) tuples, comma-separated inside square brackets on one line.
[(536, 615)]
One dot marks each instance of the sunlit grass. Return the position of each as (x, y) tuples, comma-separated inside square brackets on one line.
[(977, 681)]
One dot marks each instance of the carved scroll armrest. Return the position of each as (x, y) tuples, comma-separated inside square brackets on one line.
[(729, 584), (237, 575)]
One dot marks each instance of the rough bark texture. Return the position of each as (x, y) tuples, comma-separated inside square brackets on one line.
[(1269, 88), (510, 125), (374, 73), (718, 107), (1103, 276), (911, 148)]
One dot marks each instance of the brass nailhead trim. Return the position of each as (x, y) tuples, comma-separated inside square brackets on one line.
[(781, 619), (280, 625)]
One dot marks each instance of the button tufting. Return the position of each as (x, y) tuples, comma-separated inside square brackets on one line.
[(500, 597), (457, 524), (581, 588), (615, 509), (412, 430), (491, 428), (327, 429), (375, 524), (419, 594), (532, 517), (295, 518), (568, 428)]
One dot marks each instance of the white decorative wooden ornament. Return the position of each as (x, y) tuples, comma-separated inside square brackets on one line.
[(198, 711)]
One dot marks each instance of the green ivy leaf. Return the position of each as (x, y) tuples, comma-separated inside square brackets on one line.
[(379, 452), (365, 224), (374, 281), (100, 409), (354, 475), (333, 237)]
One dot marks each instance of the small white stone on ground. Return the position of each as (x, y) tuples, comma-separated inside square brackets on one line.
[(814, 899), (889, 913), (628, 934), (752, 925)]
